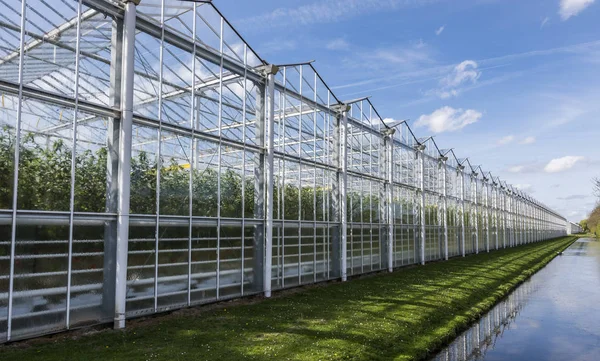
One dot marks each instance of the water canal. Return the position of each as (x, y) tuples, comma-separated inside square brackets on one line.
[(554, 316)]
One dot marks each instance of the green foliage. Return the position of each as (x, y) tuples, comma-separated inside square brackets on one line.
[(45, 178), (593, 221), (584, 225), (143, 185), (45, 182), (6, 167), (45, 175), (90, 180)]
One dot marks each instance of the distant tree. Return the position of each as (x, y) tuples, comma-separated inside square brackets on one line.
[(584, 225), (593, 221)]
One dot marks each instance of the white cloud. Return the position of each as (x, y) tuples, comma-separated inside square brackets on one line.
[(516, 169), (464, 73), (528, 140), (447, 119), (506, 140), (580, 49), (544, 22), (338, 44), (440, 30), (569, 110), (448, 94), (384, 123), (390, 122), (562, 164), (569, 8), (327, 11), (408, 57), (424, 73)]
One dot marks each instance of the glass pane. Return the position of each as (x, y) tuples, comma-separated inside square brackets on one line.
[(40, 285), (91, 300)]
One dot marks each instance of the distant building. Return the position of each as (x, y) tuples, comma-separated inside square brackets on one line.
[(573, 228)]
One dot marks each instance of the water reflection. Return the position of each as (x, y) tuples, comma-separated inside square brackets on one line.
[(554, 316), (474, 343)]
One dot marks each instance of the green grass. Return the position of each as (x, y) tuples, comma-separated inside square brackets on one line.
[(399, 316), (586, 235)]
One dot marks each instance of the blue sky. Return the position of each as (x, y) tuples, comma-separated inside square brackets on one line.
[(514, 85)]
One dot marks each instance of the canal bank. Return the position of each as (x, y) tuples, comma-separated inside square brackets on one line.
[(403, 315), (555, 315)]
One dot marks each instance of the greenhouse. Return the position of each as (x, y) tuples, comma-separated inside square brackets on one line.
[(150, 160)]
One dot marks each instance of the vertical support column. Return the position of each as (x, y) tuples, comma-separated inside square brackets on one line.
[(336, 212), (506, 217), (510, 218), (496, 212), (518, 219), (13, 236), (259, 192), (512, 222), (462, 206), (550, 225), (475, 213), (543, 223), (124, 173), (193, 167), (536, 221), (340, 158), (531, 220), (504, 212), (528, 210), (445, 206), (540, 213), (536, 212), (421, 159), (525, 221), (73, 168), (486, 222), (270, 71), (159, 161), (343, 192), (112, 170), (513, 219), (528, 219), (540, 226), (388, 142)]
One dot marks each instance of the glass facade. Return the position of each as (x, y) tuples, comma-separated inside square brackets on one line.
[(185, 170)]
